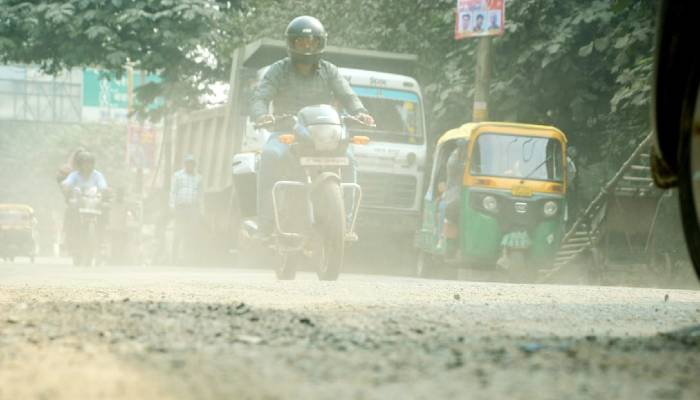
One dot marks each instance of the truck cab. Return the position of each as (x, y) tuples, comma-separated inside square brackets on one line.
[(390, 168)]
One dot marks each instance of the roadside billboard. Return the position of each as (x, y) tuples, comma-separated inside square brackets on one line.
[(141, 146), (106, 97), (476, 18)]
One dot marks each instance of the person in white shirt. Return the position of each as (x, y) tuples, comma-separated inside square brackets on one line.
[(185, 203), (85, 177), (82, 180)]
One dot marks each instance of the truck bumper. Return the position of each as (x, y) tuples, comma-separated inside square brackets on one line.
[(388, 221)]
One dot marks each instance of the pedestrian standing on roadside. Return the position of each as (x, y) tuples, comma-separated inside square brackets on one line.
[(185, 204)]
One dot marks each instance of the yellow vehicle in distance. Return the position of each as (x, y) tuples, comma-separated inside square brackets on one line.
[(497, 198), (18, 234)]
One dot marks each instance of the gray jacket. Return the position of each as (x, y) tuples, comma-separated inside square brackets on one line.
[(291, 91)]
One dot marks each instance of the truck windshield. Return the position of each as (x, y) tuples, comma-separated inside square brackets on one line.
[(522, 157), (396, 113)]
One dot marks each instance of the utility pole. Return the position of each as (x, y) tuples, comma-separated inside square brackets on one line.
[(480, 111)]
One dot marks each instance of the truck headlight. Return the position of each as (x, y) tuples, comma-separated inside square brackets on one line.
[(490, 204), (326, 137), (550, 208)]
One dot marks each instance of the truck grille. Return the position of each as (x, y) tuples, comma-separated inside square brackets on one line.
[(387, 190)]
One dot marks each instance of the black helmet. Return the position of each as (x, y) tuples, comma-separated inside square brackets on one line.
[(306, 40)]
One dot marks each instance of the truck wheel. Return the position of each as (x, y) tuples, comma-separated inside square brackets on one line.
[(287, 269), (689, 182), (331, 220)]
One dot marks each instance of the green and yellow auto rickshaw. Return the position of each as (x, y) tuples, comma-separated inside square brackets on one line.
[(18, 234), (496, 199)]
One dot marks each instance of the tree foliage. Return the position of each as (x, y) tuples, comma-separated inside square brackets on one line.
[(582, 66), (170, 37)]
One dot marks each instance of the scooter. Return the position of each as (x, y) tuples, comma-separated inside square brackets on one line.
[(88, 206)]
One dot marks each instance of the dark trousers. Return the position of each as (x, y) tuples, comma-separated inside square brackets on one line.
[(186, 224)]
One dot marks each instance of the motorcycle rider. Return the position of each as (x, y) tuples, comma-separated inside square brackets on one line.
[(302, 79), (85, 176), (82, 180)]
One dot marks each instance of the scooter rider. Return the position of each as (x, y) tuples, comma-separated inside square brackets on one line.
[(84, 178), (300, 80)]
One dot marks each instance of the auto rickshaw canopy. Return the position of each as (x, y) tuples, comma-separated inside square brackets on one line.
[(470, 131), (14, 214), (467, 130), (19, 208)]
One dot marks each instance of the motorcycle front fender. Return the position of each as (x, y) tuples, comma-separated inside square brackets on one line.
[(325, 176)]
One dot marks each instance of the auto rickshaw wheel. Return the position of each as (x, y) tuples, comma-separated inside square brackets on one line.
[(519, 271), (421, 267), (430, 266)]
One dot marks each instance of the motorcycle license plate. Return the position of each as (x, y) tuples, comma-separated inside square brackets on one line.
[(320, 161)]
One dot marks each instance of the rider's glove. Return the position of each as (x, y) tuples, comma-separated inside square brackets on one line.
[(265, 119), (365, 118)]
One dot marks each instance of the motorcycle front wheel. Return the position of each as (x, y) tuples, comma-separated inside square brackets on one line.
[(86, 245), (331, 229)]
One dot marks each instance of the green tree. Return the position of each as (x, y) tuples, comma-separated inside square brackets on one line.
[(172, 38), (583, 66)]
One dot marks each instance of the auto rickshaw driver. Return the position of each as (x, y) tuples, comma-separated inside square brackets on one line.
[(450, 194)]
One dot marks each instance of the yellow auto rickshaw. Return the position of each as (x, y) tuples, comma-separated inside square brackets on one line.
[(497, 197), (18, 234)]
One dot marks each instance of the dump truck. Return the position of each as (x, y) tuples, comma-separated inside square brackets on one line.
[(390, 169)]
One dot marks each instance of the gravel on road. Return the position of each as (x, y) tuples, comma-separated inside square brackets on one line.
[(224, 333)]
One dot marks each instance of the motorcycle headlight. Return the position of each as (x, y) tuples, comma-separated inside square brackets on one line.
[(326, 137), (490, 204), (550, 208)]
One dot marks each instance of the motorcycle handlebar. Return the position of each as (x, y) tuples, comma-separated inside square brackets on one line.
[(358, 121), (276, 120), (283, 118)]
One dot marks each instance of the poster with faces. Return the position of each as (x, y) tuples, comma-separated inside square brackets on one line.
[(476, 18)]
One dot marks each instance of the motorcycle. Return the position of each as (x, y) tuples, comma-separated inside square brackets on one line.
[(310, 221), (88, 208)]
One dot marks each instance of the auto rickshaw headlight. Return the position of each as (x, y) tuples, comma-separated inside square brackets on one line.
[(550, 208), (490, 204)]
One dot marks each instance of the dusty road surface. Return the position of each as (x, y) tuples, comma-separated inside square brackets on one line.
[(223, 333)]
